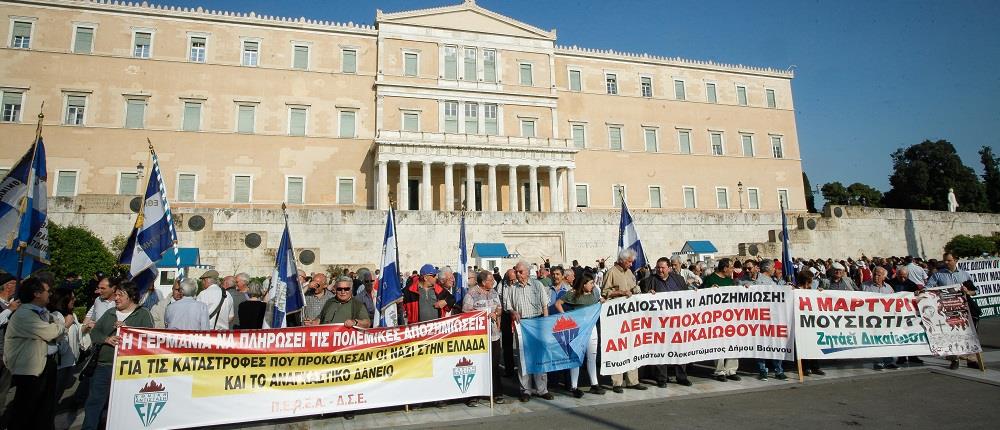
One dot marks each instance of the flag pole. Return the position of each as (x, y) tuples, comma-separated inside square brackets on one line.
[(23, 207)]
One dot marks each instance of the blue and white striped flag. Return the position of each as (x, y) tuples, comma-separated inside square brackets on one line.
[(389, 290), (286, 293), (152, 236), (628, 237), (462, 274), (24, 213)]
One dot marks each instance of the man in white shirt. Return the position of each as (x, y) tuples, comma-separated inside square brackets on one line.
[(220, 305), (187, 313)]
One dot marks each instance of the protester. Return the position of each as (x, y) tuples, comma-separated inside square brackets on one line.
[(239, 295), (620, 282), (878, 286), (582, 295), (804, 281), (948, 275), (220, 305), (30, 354), (766, 277), (524, 299), (365, 293), (507, 325), (665, 280), (558, 287), (902, 281), (839, 279), (343, 308), (105, 300), (424, 299), (187, 313), (317, 294), (484, 297), (8, 304), (252, 311), (61, 304), (725, 369)]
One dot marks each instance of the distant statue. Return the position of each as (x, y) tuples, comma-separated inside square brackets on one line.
[(952, 201)]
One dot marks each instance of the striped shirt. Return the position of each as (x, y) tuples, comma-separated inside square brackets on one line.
[(528, 300)]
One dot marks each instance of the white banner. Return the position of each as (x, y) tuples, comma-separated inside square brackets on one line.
[(985, 275), (944, 312), (685, 326), (854, 324)]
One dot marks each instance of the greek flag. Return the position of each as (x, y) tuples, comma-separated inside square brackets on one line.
[(152, 235), (787, 267), (23, 213), (461, 275), (389, 291), (286, 292), (629, 238)]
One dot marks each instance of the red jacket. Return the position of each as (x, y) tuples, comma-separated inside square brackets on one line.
[(411, 301)]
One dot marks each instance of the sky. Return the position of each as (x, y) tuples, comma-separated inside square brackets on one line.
[(870, 76)]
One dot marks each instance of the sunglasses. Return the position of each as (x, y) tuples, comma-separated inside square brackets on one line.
[(344, 289)]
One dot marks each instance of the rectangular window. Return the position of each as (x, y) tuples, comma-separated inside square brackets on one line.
[(450, 62), (717, 144), (615, 138), (579, 136), (75, 107), (526, 77), (198, 49), (679, 93), (251, 53), (470, 64), (21, 35), (451, 117), (611, 81), (747, 141), (411, 121), (646, 86), (770, 98), (192, 116), (12, 106), (575, 81), (527, 128), (245, 120), (350, 61), (490, 120), (684, 141), (617, 193), (783, 198), (410, 61), (472, 118), (753, 198), (582, 196), (300, 57), (654, 198), (135, 113), (489, 65), (297, 117), (347, 123), (741, 95), (690, 198), (649, 134), (127, 183), (722, 198), (777, 149), (295, 190), (83, 43), (66, 183), (345, 191), (143, 45), (710, 93), (242, 188), (186, 183)]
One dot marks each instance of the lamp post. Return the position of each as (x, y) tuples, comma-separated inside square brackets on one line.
[(739, 188), (139, 169)]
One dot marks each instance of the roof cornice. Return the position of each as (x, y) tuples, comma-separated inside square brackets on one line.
[(466, 5), (609, 54)]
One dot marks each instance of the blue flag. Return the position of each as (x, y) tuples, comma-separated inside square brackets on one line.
[(24, 213), (389, 290), (556, 342), (286, 293), (628, 237), (787, 268), (461, 275), (152, 235)]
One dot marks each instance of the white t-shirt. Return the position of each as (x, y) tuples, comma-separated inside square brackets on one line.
[(211, 296)]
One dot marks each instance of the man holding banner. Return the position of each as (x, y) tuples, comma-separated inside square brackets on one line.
[(620, 282), (483, 297), (525, 299), (950, 274)]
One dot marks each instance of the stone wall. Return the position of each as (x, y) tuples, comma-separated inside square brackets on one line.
[(354, 237)]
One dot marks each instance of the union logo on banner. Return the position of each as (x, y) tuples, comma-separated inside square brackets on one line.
[(149, 401), (465, 373), (565, 331)]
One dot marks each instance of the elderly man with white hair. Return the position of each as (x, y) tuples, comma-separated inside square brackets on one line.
[(620, 282), (239, 295), (879, 285), (187, 313), (527, 298)]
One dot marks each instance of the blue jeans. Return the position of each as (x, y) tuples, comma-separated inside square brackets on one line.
[(97, 399), (762, 366)]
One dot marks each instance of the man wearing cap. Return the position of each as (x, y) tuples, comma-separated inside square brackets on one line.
[(424, 299), (839, 279), (220, 305)]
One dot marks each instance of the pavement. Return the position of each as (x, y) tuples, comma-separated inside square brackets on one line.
[(850, 395)]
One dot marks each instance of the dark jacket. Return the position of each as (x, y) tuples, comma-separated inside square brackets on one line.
[(411, 301), (653, 283)]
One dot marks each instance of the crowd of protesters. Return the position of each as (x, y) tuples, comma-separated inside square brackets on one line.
[(46, 348)]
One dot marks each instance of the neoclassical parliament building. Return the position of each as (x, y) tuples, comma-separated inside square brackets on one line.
[(434, 109)]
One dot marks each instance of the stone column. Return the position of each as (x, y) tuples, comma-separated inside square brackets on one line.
[(449, 186), (470, 187), (554, 189), (404, 186), (571, 189), (512, 185), (425, 188), (382, 190), (533, 187), (492, 179)]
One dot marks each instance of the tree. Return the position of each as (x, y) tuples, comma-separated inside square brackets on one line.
[(923, 173), (74, 249), (864, 195), (810, 198), (835, 194), (991, 177), (970, 246)]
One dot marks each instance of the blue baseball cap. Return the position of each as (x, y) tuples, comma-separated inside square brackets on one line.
[(428, 269)]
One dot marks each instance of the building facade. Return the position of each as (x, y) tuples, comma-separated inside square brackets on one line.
[(435, 109)]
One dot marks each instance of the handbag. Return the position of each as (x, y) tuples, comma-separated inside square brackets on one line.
[(91, 366)]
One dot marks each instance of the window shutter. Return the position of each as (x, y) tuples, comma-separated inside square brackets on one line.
[(470, 65), (526, 74), (654, 197), (192, 116), (716, 144), (11, 98), (411, 122), (67, 184), (241, 193), (574, 80), (579, 139), (84, 40), (350, 61), (770, 99), (410, 65), (712, 98), (22, 29), (615, 136), (246, 119), (347, 124), (134, 113), (689, 201), (685, 140), (127, 183), (650, 140), (450, 62), (345, 192), (741, 95), (490, 66), (581, 196), (747, 145), (297, 122), (295, 191), (185, 187), (143, 39), (301, 57), (76, 101)]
